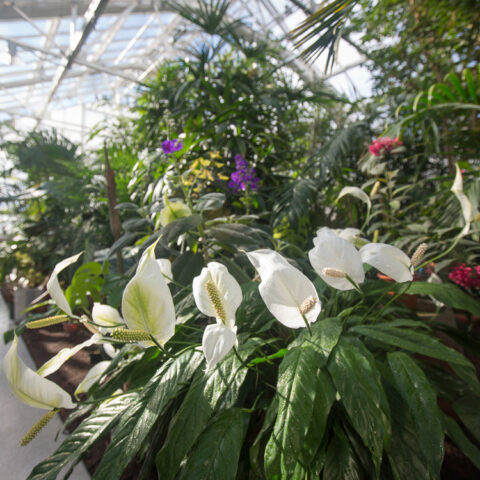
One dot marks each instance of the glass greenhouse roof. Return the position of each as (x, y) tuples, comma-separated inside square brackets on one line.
[(68, 64)]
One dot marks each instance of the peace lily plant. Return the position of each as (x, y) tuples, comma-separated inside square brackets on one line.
[(260, 365)]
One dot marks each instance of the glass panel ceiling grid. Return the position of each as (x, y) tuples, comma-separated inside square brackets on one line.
[(60, 60)]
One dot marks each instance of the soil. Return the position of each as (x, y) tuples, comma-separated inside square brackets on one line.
[(46, 342)]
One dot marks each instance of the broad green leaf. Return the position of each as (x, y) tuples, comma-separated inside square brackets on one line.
[(136, 423), (467, 409), (174, 229), (324, 398), (84, 436), (216, 453), (296, 388), (447, 293), (239, 235), (453, 430), (325, 335), (471, 86), (419, 395), (196, 410), (411, 340), (340, 462), (258, 447), (405, 456), (357, 381)]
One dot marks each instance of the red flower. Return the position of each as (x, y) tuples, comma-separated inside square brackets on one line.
[(381, 146)]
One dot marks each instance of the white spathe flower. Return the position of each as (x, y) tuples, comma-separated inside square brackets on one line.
[(31, 388), (147, 303), (106, 317), (288, 293), (166, 268), (173, 211), (53, 286), (457, 189), (357, 193), (217, 293), (217, 341), (389, 260), (93, 375), (333, 258)]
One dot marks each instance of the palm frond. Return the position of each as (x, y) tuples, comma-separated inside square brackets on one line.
[(323, 29)]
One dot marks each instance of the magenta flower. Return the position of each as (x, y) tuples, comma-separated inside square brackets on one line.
[(467, 277), (243, 177), (381, 146), (171, 146)]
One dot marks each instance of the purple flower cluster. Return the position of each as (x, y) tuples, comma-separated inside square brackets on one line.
[(243, 177), (170, 146)]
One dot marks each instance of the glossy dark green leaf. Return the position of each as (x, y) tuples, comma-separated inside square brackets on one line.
[(216, 453), (340, 462), (325, 335), (420, 397), (187, 266), (453, 430), (198, 406), (412, 340), (239, 235), (84, 436), (357, 380), (258, 447), (405, 455), (467, 408), (174, 229), (324, 398), (136, 423), (296, 387), (447, 293)]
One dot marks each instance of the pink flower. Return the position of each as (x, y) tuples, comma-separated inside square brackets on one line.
[(381, 146), (467, 277)]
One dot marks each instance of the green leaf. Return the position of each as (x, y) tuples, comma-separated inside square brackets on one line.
[(324, 398), (457, 84), (325, 335), (84, 436), (405, 456), (136, 423), (239, 235), (471, 86), (340, 462), (187, 266), (216, 453), (453, 430), (447, 293), (357, 380), (174, 229), (467, 409), (411, 340), (196, 410), (296, 388), (419, 395), (258, 447), (211, 201)]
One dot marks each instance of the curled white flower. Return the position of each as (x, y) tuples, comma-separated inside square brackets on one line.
[(53, 285), (457, 189), (389, 260), (31, 388), (106, 317), (166, 268), (333, 253), (217, 293), (357, 193), (147, 303), (288, 293)]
